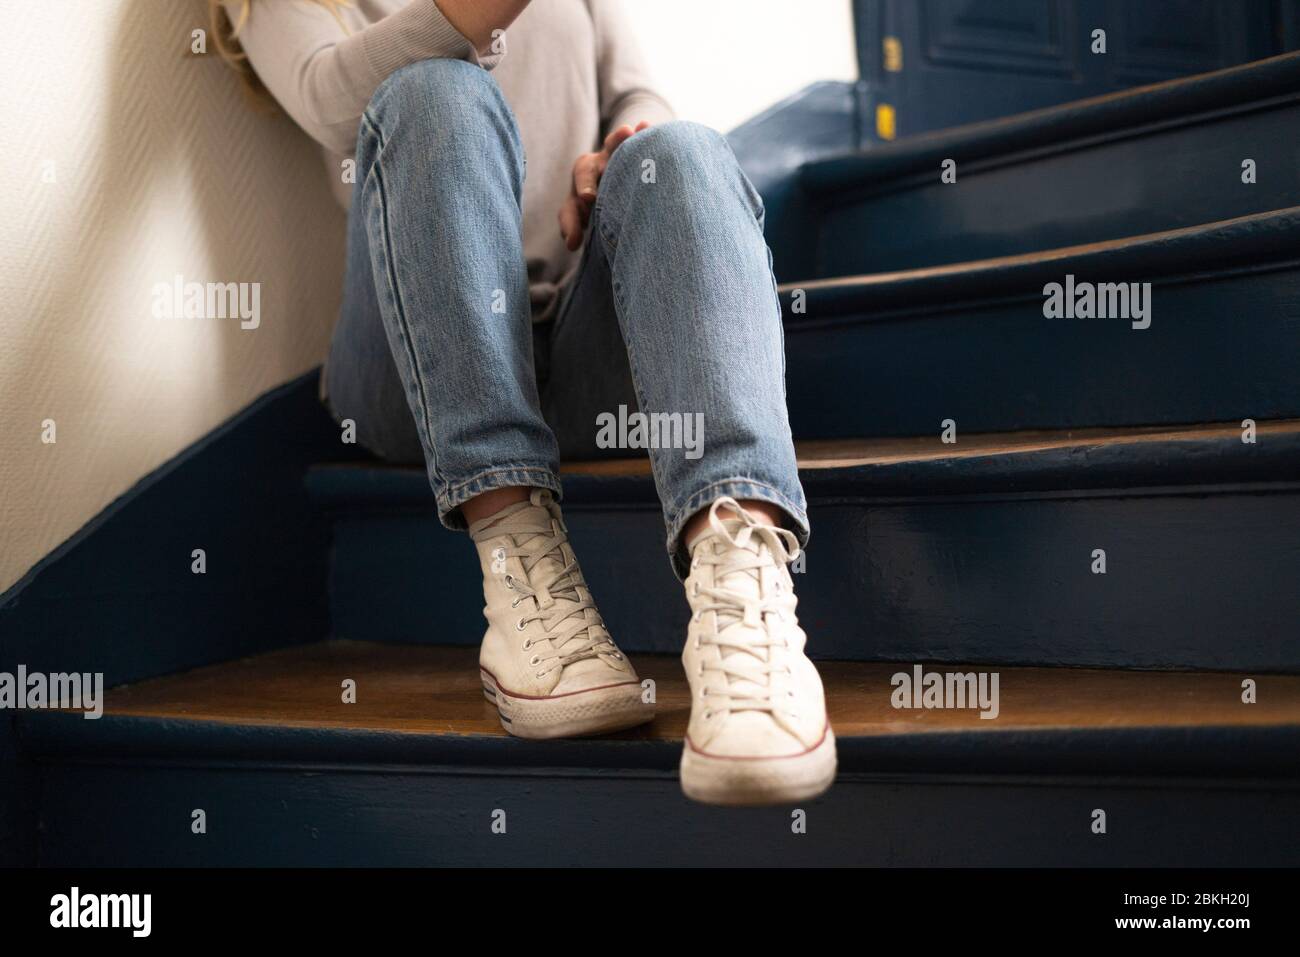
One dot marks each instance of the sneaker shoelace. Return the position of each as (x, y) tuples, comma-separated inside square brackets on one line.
[(743, 636), (552, 584)]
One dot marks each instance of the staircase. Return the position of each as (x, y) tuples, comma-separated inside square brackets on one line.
[(927, 557), (1108, 517), (417, 771)]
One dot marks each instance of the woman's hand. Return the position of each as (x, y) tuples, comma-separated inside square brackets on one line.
[(587, 171)]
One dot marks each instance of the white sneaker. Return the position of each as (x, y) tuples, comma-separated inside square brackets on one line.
[(547, 662), (758, 732)]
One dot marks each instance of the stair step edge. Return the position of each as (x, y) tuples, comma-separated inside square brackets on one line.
[(1199, 751), (1257, 242), (1152, 464)]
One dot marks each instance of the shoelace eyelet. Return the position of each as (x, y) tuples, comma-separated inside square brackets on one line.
[(528, 644), (535, 660), (519, 625)]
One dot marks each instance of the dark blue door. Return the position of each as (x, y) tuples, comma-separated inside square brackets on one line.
[(929, 64)]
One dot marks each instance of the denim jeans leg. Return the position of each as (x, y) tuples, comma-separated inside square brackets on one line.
[(440, 171), (675, 304)]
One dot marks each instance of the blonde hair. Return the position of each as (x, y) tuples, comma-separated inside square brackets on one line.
[(226, 36)]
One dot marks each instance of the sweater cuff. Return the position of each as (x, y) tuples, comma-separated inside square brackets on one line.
[(640, 106), (419, 31)]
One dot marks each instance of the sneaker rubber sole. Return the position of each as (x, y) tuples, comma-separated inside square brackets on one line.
[(756, 781), (576, 714)]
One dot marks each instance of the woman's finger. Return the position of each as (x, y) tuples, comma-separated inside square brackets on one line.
[(587, 201), (571, 224), (616, 137), (585, 176)]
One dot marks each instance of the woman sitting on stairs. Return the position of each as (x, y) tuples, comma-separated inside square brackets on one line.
[(477, 338)]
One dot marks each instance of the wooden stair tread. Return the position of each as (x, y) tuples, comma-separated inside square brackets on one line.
[(435, 690)]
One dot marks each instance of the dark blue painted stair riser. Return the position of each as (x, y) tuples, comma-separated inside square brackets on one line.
[(1069, 194), (947, 561), (897, 359), (359, 816)]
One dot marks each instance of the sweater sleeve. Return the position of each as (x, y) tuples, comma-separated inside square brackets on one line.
[(627, 89), (322, 76)]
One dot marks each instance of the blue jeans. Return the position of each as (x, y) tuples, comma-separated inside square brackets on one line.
[(673, 310)]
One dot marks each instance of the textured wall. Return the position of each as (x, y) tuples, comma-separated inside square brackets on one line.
[(125, 161)]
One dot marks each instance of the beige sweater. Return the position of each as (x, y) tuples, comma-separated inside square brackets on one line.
[(571, 72)]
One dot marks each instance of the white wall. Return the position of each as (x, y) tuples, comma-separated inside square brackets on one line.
[(721, 61), (159, 167)]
